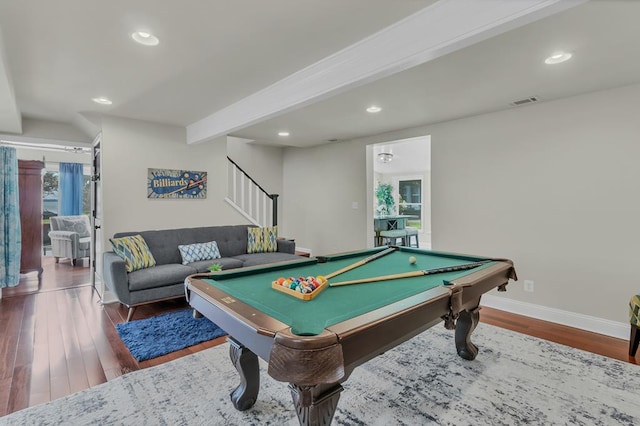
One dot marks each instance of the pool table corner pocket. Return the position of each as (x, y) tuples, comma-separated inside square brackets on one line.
[(306, 366)]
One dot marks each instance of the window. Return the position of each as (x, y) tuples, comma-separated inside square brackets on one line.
[(50, 194), (50, 184), (410, 201)]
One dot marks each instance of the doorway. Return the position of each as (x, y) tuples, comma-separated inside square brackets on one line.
[(55, 276), (405, 165), (96, 216)]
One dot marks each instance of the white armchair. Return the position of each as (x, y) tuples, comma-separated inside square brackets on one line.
[(70, 237)]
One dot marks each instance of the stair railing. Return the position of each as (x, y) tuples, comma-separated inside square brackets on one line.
[(249, 198)]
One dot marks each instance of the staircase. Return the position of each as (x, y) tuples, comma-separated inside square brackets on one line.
[(250, 199)]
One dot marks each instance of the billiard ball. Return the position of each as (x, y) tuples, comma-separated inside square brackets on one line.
[(412, 259)]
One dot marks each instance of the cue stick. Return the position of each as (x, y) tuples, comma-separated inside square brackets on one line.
[(412, 274), (361, 262)]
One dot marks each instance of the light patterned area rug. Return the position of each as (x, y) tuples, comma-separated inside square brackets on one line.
[(515, 380)]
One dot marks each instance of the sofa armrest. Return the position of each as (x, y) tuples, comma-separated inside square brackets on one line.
[(287, 246), (115, 276)]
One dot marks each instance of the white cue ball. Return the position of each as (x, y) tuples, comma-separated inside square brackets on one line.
[(412, 259)]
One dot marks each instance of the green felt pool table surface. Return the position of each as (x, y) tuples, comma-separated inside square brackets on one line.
[(336, 304)]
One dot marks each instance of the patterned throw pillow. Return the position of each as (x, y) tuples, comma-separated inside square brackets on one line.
[(261, 240), (134, 251), (199, 251), (75, 224), (270, 239), (254, 240)]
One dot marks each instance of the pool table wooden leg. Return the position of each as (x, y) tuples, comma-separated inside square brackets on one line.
[(467, 322), (315, 405), (246, 362)]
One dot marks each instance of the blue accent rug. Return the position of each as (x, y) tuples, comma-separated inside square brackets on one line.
[(152, 337)]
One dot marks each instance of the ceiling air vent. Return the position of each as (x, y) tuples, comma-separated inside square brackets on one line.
[(525, 101)]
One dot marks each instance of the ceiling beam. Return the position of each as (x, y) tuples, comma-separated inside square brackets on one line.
[(434, 31)]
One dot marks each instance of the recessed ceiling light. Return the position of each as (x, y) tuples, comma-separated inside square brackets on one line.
[(145, 38), (373, 109), (102, 101), (283, 133), (557, 58)]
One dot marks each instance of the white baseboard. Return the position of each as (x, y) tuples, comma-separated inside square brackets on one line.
[(303, 250), (571, 319), (108, 297)]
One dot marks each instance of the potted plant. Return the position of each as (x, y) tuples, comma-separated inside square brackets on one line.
[(215, 267), (384, 195)]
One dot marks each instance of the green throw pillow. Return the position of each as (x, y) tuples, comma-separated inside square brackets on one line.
[(134, 251)]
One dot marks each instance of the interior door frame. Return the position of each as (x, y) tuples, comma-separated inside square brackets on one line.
[(96, 211)]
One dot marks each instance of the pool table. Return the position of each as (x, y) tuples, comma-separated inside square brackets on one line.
[(314, 345)]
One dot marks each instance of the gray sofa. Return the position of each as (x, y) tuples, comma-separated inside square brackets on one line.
[(166, 279)]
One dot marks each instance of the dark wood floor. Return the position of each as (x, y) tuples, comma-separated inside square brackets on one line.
[(58, 339)]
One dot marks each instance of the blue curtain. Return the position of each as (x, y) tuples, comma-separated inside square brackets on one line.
[(70, 193), (10, 237)]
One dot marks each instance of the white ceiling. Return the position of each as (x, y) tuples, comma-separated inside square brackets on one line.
[(57, 55)]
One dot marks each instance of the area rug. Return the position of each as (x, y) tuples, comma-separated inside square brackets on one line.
[(152, 337), (515, 380)]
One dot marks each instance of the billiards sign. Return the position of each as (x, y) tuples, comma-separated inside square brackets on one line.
[(165, 183)]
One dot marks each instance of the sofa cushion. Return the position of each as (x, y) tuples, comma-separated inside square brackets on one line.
[(159, 276), (198, 251), (134, 251), (264, 258), (225, 262)]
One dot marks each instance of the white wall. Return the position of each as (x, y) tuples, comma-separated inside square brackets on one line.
[(129, 148), (553, 186), (51, 130), (321, 184)]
